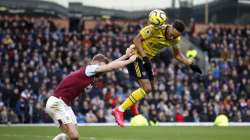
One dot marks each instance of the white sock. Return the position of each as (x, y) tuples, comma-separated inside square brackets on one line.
[(61, 136), (120, 109)]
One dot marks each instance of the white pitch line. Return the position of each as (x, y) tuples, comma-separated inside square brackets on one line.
[(127, 124), (30, 136), (44, 136)]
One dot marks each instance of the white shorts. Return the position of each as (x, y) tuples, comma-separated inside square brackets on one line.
[(59, 111)]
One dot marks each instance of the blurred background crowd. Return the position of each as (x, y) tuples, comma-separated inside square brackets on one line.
[(35, 55)]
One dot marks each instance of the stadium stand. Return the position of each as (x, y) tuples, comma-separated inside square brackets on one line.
[(35, 55)]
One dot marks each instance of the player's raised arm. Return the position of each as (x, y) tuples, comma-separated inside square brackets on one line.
[(124, 60), (101, 64), (129, 52), (115, 64), (174, 32), (180, 57)]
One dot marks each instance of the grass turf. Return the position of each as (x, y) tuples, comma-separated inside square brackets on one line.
[(130, 133)]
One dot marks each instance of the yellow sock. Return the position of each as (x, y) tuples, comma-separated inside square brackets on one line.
[(132, 99)]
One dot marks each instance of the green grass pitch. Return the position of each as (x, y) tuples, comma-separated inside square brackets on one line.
[(131, 133)]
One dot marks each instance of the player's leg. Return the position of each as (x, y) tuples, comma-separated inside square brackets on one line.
[(143, 78), (131, 100), (134, 108), (70, 132), (64, 117), (70, 129), (136, 70), (137, 95), (61, 136)]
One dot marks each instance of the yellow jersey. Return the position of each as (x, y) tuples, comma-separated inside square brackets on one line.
[(154, 40)]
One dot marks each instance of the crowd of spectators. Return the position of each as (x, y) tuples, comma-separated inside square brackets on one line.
[(35, 55)]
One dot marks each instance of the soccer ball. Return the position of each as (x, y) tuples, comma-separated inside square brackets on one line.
[(157, 17)]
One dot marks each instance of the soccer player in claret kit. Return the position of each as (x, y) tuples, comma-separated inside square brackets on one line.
[(58, 105), (148, 43)]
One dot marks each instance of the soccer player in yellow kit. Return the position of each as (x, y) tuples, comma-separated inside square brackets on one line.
[(148, 43)]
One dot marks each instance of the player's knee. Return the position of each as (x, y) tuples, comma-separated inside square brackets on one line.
[(147, 89)]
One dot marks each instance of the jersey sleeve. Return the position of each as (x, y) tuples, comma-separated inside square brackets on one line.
[(146, 32), (91, 70)]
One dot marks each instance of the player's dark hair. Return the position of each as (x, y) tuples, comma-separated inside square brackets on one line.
[(101, 58), (179, 26)]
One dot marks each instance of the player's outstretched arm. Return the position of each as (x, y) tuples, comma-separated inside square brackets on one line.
[(181, 58), (129, 52), (116, 64)]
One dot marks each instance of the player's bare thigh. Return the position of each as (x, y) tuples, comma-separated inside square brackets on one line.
[(145, 84), (71, 130)]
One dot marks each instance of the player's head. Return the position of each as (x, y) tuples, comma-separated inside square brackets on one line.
[(100, 59), (174, 31), (157, 17)]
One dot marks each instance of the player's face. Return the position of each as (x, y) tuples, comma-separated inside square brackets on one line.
[(171, 33)]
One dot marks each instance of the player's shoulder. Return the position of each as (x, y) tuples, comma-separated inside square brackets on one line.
[(164, 26), (148, 27), (90, 70), (178, 38), (157, 27), (147, 31), (76, 72)]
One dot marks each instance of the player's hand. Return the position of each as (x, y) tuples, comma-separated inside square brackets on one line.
[(195, 68), (132, 58), (130, 50)]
